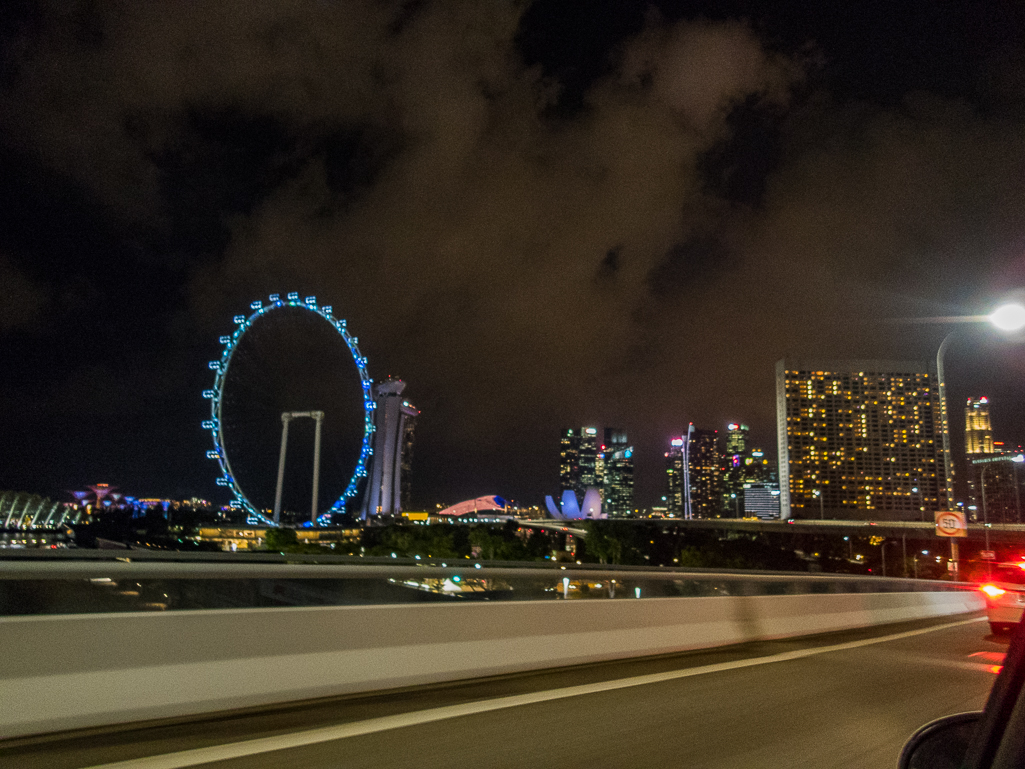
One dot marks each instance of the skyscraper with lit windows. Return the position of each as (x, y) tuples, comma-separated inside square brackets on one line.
[(703, 473), (863, 434), (676, 478), (1003, 480), (618, 485), (578, 460), (978, 433)]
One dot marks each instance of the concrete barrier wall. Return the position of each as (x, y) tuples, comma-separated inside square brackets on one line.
[(72, 671)]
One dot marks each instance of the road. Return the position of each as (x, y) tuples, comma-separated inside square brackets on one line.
[(840, 700)]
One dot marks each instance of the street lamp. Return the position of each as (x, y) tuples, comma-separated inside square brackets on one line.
[(822, 510), (1008, 317)]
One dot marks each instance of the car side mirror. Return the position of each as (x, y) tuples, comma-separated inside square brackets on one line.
[(940, 744)]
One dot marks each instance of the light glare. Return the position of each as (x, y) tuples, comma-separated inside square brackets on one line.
[(1008, 317)]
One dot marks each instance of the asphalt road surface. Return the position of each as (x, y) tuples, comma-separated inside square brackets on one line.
[(838, 700)]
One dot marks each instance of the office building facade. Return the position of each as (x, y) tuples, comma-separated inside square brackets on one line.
[(579, 465), (618, 485), (761, 500), (704, 496), (676, 479), (615, 473), (862, 434)]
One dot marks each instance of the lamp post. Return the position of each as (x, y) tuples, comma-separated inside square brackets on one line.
[(822, 510), (1008, 317)]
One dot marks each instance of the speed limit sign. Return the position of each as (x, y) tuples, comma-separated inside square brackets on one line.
[(951, 523)]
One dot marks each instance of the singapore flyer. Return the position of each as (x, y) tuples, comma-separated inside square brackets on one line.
[(291, 413)]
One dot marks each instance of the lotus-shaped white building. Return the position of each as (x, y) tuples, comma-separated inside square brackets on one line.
[(572, 510)]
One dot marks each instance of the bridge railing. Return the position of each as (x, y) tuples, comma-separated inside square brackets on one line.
[(111, 584), (92, 642)]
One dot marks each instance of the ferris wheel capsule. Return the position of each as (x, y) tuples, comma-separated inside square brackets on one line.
[(220, 427)]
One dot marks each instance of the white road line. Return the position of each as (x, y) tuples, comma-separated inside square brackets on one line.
[(199, 756)]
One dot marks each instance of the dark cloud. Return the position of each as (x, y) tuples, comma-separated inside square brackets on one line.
[(627, 232), (22, 299)]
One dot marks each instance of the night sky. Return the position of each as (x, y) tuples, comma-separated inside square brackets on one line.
[(539, 215)]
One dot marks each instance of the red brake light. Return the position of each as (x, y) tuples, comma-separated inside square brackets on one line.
[(992, 591)]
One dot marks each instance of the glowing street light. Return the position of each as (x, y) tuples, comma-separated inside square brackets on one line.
[(1008, 317)]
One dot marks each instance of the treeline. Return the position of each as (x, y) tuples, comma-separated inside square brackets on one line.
[(606, 542)]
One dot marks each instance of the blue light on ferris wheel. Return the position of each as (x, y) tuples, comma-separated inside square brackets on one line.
[(215, 395)]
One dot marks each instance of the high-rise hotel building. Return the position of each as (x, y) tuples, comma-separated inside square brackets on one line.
[(863, 434), (387, 487), (978, 433)]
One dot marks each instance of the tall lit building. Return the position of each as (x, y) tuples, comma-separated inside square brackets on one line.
[(731, 470), (742, 467), (703, 473), (978, 433), (736, 438), (863, 435), (676, 478), (588, 460), (407, 440), (569, 460), (1004, 491), (618, 486), (578, 460), (394, 419)]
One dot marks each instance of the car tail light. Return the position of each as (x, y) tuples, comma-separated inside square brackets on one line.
[(992, 591)]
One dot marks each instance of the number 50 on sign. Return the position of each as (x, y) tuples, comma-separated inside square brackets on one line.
[(951, 524)]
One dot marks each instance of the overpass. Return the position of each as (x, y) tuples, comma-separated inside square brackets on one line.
[(1004, 533)]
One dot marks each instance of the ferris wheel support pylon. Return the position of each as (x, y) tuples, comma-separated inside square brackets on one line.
[(286, 417)]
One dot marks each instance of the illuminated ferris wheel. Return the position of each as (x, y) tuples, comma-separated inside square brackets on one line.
[(290, 359)]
